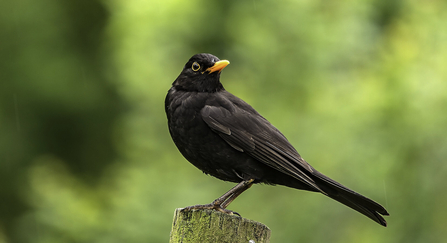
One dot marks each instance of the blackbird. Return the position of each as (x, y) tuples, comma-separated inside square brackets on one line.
[(226, 138)]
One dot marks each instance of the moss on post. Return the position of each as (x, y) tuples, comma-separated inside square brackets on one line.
[(212, 226)]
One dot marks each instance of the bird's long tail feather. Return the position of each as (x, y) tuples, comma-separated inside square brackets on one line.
[(351, 198)]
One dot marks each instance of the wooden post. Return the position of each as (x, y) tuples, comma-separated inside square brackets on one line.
[(213, 226)]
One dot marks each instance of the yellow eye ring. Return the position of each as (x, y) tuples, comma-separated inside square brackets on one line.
[(195, 67)]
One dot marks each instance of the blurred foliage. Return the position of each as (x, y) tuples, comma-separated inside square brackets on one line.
[(359, 88)]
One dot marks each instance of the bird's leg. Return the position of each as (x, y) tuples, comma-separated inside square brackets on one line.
[(247, 184), (223, 201)]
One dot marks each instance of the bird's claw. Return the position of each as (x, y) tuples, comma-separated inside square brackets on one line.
[(226, 211), (211, 206)]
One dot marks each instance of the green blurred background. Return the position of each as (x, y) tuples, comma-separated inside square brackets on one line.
[(358, 87)]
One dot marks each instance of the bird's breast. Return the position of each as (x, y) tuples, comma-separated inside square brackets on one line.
[(187, 128), (201, 146)]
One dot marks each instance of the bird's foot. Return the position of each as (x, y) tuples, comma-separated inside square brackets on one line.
[(211, 206)]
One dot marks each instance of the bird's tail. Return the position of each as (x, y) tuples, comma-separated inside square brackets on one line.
[(351, 198)]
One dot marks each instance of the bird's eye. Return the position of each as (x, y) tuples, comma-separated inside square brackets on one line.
[(195, 66)]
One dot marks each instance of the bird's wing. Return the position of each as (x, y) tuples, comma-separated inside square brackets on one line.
[(249, 132)]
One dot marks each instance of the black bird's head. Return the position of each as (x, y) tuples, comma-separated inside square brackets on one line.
[(201, 74)]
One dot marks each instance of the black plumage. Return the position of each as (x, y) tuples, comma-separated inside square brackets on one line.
[(225, 137)]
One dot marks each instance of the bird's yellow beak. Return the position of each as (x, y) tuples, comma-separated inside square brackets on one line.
[(218, 66)]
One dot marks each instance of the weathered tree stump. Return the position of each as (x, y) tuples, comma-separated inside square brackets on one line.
[(212, 226)]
